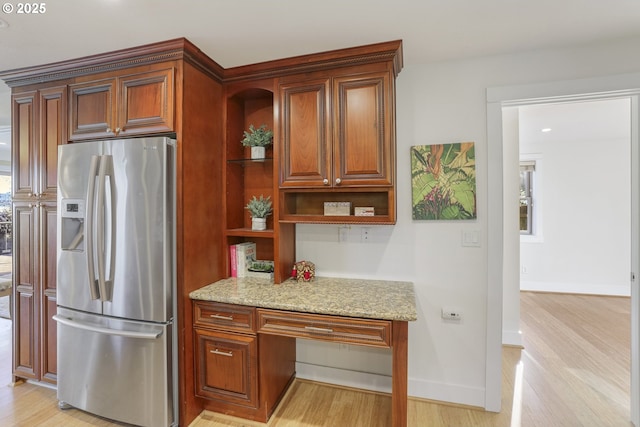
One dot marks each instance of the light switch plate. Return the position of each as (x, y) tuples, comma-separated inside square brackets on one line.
[(471, 238)]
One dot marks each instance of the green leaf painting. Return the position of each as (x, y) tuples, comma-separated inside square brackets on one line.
[(443, 181)]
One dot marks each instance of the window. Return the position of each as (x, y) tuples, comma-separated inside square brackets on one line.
[(527, 170)]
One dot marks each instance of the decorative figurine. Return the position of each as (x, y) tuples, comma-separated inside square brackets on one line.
[(303, 271)]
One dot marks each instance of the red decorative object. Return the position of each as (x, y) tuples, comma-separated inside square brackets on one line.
[(303, 271)]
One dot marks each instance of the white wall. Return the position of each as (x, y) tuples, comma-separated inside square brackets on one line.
[(440, 103), (584, 183)]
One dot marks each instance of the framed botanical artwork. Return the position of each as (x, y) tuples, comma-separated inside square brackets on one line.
[(443, 181)]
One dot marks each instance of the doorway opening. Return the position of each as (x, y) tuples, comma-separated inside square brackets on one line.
[(580, 259)]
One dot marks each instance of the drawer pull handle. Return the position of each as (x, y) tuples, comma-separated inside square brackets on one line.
[(315, 329), (221, 317), (222, 353)]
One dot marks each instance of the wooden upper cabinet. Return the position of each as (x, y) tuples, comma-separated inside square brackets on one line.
[(306, 134), (337, 131), (91, 110), (24, 121), (38, 124), (53, 132), (363, 153), (123, 106), (145, 103)]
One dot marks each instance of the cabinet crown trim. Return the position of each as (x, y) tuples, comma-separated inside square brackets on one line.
[(176, 49), (390, 51)]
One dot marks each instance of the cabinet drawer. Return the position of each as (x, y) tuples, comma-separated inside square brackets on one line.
[(226, 367), (227, 316), (375, 333)]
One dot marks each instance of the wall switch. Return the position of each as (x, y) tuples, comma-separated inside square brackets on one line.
[(471, 238), (451, 313)]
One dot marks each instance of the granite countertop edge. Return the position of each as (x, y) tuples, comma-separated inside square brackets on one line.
[(358, 298)]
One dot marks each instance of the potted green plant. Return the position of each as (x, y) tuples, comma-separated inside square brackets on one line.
[(259, 209), (257, 139)]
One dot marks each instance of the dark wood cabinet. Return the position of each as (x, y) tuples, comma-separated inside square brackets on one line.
[(333, 118), (364, 138), (34, 272), (26, 310), (306, 147), (166, 87), (129, 105), (237, 372), (39, 121), (227, 367), (337, 130), (24, 147)]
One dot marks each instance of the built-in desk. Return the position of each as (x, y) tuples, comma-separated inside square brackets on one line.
[(250, 325)]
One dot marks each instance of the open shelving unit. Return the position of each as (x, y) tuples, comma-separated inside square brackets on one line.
[(244, 178)]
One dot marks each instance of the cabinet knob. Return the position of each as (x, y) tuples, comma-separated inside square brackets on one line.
[(325, 181), (338, 181)]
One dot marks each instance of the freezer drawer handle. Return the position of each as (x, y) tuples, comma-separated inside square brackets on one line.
[(108, 331), (222, 353), (220, 317)]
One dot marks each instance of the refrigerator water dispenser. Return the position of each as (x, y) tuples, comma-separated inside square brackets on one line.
[(72, 225)]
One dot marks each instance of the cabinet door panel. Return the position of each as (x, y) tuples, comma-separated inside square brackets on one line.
[(362, 144), (24, 145), (145, 103), (91, 111), (53, 107), (306, 149), (227, 367), (25, 330), (48, 265)]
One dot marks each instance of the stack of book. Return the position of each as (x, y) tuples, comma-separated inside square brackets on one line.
[(242, 258)]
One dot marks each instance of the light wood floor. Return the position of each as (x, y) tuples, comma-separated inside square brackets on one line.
[(574, 371)]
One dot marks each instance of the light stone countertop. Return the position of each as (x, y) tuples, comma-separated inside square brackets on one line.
[(371, 299)]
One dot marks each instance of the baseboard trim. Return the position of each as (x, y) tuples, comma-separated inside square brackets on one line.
[(576, 288), (512, 338), (428, 390)]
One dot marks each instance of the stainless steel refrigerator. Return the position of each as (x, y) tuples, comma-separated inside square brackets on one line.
[(116, 284)]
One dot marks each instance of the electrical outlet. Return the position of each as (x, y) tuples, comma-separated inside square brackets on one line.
[(451, 313), (366, 234), (343, 233)]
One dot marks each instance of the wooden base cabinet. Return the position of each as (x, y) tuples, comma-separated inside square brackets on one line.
[(34, 273), (237, 372), (227, 367)]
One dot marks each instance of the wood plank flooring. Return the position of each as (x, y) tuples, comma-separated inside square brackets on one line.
[(573, 371)]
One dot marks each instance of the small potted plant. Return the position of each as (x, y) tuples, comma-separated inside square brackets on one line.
[(259, 209), (257, 139)]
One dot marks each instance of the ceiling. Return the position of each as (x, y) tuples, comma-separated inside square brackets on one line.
[(234, 32)]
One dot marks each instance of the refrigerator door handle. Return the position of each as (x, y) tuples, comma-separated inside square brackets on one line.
[(108, 331), (105, 176), (90, 227)]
